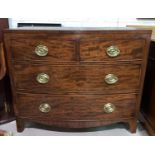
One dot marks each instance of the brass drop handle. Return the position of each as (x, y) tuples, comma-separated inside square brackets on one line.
[(111, 79), (41, 50), (109, 108), (42, 78), (113, 51), (45, 107)]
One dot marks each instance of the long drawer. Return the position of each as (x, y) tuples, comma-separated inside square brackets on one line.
[(58, 79), (76, 107)]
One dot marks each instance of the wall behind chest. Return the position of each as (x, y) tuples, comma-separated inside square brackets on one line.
[(84, 21)]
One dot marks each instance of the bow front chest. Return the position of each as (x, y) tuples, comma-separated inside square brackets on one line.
[(76, 77)]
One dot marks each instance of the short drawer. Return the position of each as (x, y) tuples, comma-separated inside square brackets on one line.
[(76, 107), (61, 79), (111, 50), (52, 50)]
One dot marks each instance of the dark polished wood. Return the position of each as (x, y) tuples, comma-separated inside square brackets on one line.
[(3, 24), (76, 107), (6, 108), (90, 50), (77, 78), (95, 50), (77, 64), (19, 52), (148, 100), (2, 62)]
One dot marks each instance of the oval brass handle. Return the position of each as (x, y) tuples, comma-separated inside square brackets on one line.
[(111, 79), (113, 51), (41, 50), (44, 107), (109, 108), (42, 78)]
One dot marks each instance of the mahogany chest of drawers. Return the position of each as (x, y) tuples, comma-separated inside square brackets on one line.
[(77, 77)]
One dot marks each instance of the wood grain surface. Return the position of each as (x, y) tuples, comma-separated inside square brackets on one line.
[(77, 64), (77, 78), (76, 107)]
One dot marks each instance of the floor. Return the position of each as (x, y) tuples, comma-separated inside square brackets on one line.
[(118, 129)]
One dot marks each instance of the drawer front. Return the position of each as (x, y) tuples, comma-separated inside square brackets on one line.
[(63, 50), (111, 50), (75, 107), (77, 78), (53, 50)]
